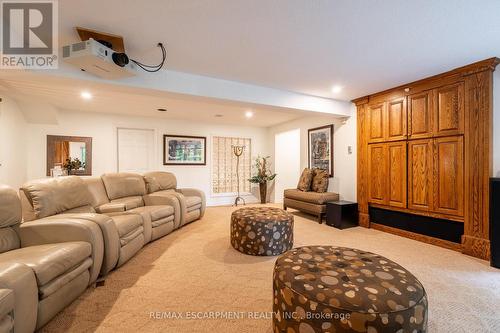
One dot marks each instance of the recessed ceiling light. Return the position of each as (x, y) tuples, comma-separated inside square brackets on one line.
[(86, 95), (219, 116), (336, 89), (161, 109), (249, 114)]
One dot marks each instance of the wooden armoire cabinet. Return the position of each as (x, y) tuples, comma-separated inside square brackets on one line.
[(387, 173), (448, 175), (420, 115), (420, 174), (424, 149), (436, 175), (396, 176), (387, 121), (377, 122)]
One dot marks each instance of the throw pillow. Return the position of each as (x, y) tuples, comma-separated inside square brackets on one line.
[(305, 180), (320, 181)]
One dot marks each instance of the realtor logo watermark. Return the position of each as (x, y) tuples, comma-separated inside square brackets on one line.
[(29, 34)]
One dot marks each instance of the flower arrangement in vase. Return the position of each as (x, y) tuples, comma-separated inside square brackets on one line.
[(262, 168), (73, 164)]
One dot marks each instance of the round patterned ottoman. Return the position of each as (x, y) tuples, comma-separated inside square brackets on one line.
[(338, 289), (261, 231)]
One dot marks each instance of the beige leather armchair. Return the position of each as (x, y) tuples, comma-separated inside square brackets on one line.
[(6, 310), (162, 184), (62, 271), (108, 230), (66, 229), (127, 190), (48, 201), (20, 279)]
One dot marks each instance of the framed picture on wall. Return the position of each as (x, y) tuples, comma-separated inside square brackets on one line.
[(320, 148), (184, 150), (70, 155)]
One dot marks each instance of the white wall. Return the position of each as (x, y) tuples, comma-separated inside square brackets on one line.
[(23, 146), (103, 130), (344, 180), (496, 123), (286, 161), (12, 144)]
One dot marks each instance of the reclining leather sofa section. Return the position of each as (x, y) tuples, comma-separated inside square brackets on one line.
[(59, 235)]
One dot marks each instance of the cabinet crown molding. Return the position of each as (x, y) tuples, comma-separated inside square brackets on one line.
[(476, 67)]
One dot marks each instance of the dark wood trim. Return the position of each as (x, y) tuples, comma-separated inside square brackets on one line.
[(476, 247), (361, 100), (204, 138), (331, 146), (478, 162), (115, 40), (362, 165), (417, 237), (88, 152), (363, 219)]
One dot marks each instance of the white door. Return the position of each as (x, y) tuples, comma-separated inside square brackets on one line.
[(287, 161), (136, 150)]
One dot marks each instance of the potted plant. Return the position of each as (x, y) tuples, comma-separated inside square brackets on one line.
[(263, 175), (73, 164)]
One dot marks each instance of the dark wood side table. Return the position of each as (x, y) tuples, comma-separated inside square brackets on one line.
[(341, 214)]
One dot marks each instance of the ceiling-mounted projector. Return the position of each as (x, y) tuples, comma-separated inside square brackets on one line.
[(103, 54), (100, 60)]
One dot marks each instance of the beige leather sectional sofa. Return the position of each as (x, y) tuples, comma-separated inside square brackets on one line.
[(74, 231), (161, 185)]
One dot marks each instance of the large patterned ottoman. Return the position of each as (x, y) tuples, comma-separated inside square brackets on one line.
[(261, 231), (338, 289)]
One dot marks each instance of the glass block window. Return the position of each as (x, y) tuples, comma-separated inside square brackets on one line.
[(224, 178)]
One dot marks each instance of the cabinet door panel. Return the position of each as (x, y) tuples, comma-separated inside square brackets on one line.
[(396, 119), (377, 166), (420, 161), (448, 175), (449, 110), (397, 174), (419, 115), (376, 122)]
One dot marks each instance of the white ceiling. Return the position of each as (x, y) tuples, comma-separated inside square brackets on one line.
[(64, 94), (299, 45)]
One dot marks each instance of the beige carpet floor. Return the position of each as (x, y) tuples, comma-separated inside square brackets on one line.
[(195, 269)]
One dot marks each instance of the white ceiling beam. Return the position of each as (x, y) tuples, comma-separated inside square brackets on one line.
[(203, 86)]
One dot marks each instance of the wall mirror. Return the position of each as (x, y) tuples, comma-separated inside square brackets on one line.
[(69, 155)]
